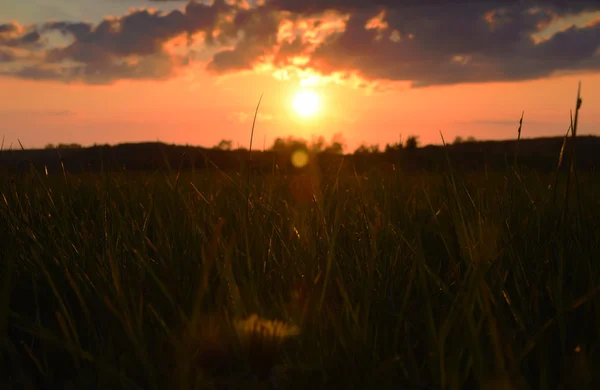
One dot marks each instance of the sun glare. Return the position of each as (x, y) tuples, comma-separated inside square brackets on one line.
[(306, 103)]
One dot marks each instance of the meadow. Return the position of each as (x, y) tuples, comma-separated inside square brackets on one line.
[(214, 279)]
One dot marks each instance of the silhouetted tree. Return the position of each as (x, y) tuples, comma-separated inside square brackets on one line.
[(412, 142), (391, 148), (279, 145), (471, 139), (338, 142), (318, 144), (458, 140), (364, 149), (68, 146), (288, 145), (335, 148), (224, 145), (50, 146)]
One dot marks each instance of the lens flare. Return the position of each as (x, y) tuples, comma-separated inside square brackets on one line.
[(299, 158)]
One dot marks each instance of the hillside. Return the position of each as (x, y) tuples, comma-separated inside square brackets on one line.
[(540, 154)]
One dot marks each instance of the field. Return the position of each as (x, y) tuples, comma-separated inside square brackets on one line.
[(215, 279)]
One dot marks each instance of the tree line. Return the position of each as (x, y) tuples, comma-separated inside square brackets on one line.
[(336, 145)]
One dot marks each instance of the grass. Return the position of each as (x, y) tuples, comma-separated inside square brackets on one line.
[(214, 280)]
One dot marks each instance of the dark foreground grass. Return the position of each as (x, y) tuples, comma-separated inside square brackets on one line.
[(154, 281), (136, 281)]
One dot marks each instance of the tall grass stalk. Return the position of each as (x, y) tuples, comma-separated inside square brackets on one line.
[(445, 279)]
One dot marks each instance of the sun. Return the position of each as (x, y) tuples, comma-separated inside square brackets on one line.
[(306, 103)]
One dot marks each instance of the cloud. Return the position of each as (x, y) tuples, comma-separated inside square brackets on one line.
[(316, 6), (423, 43), (502, 122), (130, 47), (79, 30), (36, 113), (9, 29), (15, 35), (453, 44), (243, 117), (7, 55), (133, 46), (260, 27), (239, 117)]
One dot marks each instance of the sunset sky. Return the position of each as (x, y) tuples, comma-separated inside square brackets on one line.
[(113, 71)]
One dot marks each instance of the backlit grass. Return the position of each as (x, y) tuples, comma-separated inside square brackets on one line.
[(213, 280)]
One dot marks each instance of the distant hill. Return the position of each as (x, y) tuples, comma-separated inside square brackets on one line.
[(539, 153)]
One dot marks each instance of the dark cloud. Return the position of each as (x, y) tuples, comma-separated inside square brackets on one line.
[(260, 28), (38, 73), (447, 44), (140, 33), (7, 55), (308, 7), (17, 42), (78, 30), (438, 42), (316, 6), (14, 35), (151, 67), (209, 19), (8, 28), (128, 47), (290, 50), (429, 42)]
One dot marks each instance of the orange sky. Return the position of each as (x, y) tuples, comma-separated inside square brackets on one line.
[(198, 107)]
